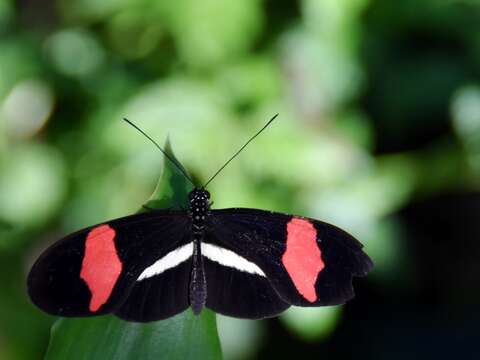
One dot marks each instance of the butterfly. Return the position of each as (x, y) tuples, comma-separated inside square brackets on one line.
[(239, 262)]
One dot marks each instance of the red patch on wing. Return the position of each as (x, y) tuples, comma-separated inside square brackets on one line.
[(101, 266), (302, 257)]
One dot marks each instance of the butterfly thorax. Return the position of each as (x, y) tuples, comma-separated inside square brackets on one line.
[(199, 208)]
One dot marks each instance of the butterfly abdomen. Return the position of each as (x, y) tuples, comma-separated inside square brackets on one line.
[(199, 208), (198, 283)]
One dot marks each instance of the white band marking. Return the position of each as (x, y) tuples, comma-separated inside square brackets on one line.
[(212, 252), (229, 258), (172, 259)]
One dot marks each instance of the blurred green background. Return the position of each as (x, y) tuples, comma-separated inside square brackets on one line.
[(379, 133)]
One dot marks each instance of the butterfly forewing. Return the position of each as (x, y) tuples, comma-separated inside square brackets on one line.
[(92, 271), (307, 262)]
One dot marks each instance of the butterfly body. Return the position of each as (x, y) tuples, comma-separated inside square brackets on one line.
[(199, 209)]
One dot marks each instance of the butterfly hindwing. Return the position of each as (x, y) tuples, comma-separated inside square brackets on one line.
[(162, 289), (158, 297), (307, 262), (92, 271), (245, 293)]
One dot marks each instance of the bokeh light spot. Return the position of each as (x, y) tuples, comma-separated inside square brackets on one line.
[(32, 184), (75, 52), (240, 338), (27, 108), (312, 323), (466, 111)]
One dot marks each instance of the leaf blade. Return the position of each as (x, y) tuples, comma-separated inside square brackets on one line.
[(184, 336)]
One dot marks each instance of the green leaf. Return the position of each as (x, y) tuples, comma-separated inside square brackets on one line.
[(184, 336), (172, 189)]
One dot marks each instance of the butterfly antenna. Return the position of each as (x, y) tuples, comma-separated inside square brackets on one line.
[(240, 150), (169, 157)]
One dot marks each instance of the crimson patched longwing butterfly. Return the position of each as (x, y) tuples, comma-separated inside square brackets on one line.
[(245, 263)]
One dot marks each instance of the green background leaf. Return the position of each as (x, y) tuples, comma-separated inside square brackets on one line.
[(184, 336)]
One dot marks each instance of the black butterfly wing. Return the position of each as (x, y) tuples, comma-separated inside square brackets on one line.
[(245, 293), (94, 270), (162, 294), (307, 262)]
